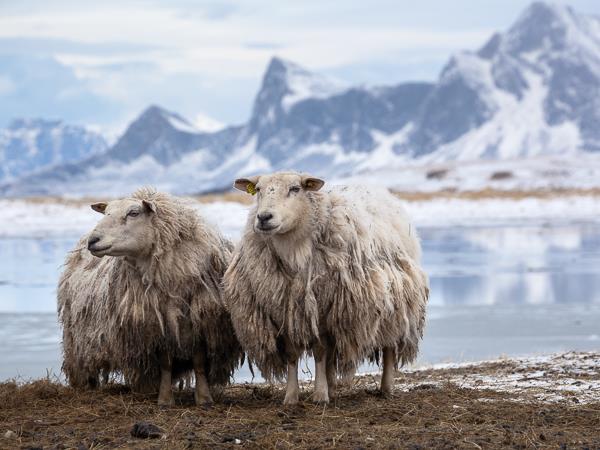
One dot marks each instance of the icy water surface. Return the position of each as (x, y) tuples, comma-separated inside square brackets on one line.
[(505, 290)]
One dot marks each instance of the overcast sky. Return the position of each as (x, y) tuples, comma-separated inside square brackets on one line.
[(101, 62)]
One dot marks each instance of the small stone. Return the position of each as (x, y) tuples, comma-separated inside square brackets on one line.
[(146, 430), (10, 434)]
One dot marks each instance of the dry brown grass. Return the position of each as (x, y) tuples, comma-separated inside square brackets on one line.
[(483, 194), (52, 416), (489, 193)]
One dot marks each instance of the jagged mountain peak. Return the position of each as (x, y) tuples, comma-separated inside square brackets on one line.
[(286, 83), (153, 133), (160, 117), (546, 28), (543, 12), (531, 90), (28, 145)]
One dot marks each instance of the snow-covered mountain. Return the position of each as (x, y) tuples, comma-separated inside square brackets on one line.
[(29, 145), (532, 91)]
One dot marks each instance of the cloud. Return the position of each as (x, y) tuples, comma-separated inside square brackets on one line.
[(42, 87), (7, 86), (198, 43), (119, 55)]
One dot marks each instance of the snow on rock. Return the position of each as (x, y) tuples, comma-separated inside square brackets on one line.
[(207, 124), (303, 84), (179, 123), (29, 145), (517, 129)]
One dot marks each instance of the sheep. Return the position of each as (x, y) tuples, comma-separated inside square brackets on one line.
[(141, 296), (334, 273)]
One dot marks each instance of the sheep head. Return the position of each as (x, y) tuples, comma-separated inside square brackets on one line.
[(282, 200), (125, 230)]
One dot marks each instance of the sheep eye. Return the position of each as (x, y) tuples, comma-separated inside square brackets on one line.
[(257, 189), (295, 189), (133, 213)]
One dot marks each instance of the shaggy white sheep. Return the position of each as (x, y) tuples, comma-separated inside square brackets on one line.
[(145, 299), (333, 273)]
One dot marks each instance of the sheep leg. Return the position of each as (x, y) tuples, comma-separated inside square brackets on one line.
[(321, 394), (165, 392), (387, 377), (202, 392), (331, 372), (292, 389)]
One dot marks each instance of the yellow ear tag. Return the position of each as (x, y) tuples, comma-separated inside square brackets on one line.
[(250, 189)]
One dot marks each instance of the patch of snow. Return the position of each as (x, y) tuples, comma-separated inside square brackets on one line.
[(303, 84), (207, 124), (21, 218), (384, 156), (578, 170), (181, 124), (563, 377), (462, 212), (517, 129)]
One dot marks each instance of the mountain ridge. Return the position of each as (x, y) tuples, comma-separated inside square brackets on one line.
[(529, 91)]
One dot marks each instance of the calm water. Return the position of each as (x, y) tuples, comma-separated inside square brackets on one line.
[(505, 290)]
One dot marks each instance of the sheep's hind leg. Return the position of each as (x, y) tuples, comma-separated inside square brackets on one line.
[(292, 390), (165, 392), (321, 393), (202, 391), (387, 377), (331, 373)]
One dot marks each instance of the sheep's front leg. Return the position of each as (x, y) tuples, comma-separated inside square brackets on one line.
[(321, 394), (387, 377), (292, 389), (202, 392), (165, 392)]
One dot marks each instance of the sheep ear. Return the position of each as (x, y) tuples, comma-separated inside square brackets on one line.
[(99, 207), (149, 206), (311, 183), (246, 184)]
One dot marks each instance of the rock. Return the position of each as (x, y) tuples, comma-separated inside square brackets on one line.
[(10, 434), (146, 430)]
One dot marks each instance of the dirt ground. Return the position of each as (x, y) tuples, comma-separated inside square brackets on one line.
[(551, 402)]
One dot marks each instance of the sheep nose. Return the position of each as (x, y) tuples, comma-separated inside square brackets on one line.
[(92, 241), (264, 217)]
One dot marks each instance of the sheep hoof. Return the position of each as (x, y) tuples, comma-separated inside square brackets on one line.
[(320, 398), (291, 400), (386, 393), (165, 403), (204, 402)]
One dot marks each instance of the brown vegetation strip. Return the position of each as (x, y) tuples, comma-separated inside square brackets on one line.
[(483, 194), (51, 416), (489, 193)]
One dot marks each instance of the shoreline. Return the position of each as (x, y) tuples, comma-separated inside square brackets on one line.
[(56, 217), (504, 402)]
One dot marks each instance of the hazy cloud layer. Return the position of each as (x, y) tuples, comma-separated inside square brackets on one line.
[(102, 62)]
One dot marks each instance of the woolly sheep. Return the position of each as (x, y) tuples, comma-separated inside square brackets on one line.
[(145, 300), (333, 273)]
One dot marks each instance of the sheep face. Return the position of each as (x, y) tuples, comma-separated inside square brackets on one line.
[(283, 201), (125, 230)]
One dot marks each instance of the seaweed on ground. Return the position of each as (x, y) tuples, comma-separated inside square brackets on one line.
[(425, 412)]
